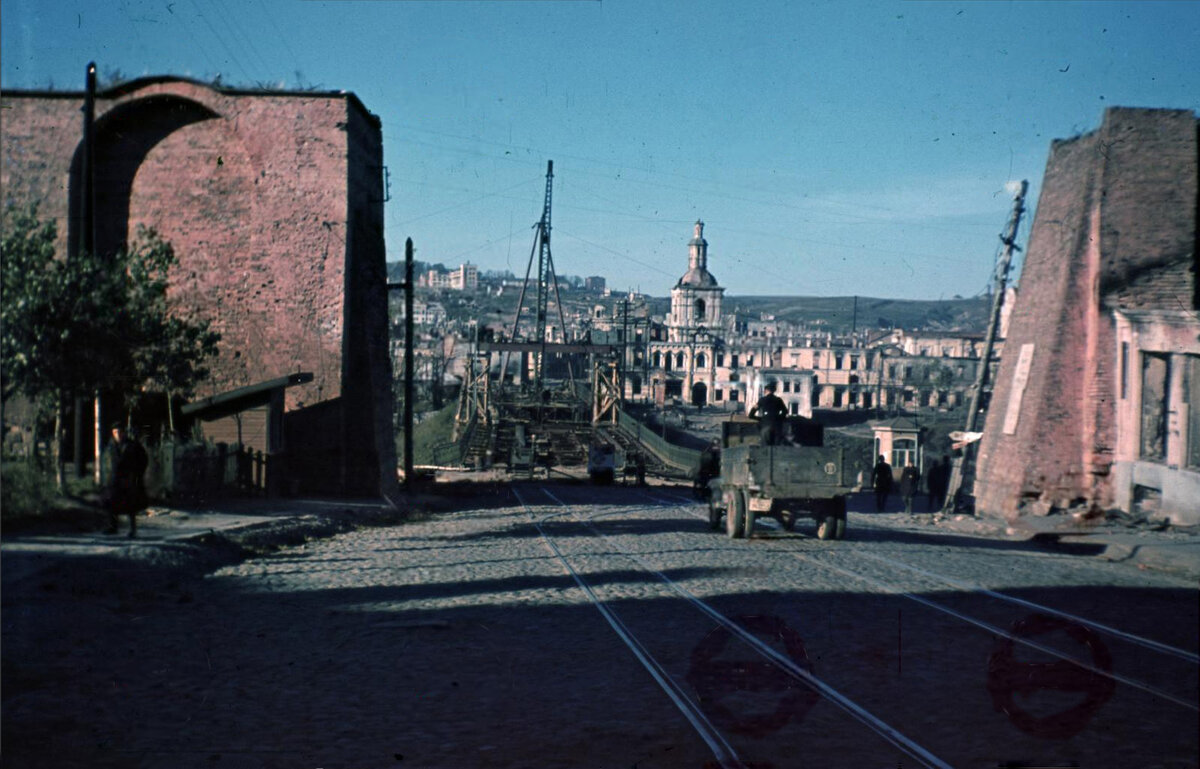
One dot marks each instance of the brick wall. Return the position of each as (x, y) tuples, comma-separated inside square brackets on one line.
[(1115, 227), (273, 203)]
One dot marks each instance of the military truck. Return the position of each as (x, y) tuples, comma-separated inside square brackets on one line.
[(802, 478)]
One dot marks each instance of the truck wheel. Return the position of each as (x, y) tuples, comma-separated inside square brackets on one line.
[(839, 509), (839, 528), (714, 514), (748, 522), (827, 527), (788, 519), (735, 513)]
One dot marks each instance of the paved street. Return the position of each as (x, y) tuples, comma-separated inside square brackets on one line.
[(464, 641)]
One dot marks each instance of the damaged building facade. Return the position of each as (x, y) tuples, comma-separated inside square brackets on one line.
[(273, 202), (1097, 400)]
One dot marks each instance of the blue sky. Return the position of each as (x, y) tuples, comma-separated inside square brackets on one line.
[(831, 148)]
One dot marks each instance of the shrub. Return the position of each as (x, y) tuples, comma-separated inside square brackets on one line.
[(25, 491)]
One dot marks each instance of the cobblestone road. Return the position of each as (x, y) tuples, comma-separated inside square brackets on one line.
[(461, 641)]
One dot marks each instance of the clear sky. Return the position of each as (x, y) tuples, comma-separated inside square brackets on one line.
[(831, 148)]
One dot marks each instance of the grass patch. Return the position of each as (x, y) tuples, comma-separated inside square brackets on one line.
[(30, 501), (25, 491), (432, 444)]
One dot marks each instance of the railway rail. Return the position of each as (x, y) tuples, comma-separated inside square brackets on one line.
[(1171, 683), (723, 751)]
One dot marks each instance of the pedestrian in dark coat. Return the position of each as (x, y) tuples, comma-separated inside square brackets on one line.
[(710, 467), (126, 493), (881, 481), (938, 481), (910, 481), (771, 412)]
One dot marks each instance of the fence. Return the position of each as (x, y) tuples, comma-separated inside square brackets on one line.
[(680, 457), (194, 470)]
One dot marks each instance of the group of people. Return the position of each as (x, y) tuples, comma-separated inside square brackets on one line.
[(937, 483)]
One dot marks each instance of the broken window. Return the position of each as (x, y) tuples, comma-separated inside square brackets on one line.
[(1155, 376), (1124, 369)]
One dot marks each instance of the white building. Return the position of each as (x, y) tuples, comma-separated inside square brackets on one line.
[(684, 365)]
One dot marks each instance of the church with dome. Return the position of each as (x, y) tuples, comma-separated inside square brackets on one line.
[(684, 364)]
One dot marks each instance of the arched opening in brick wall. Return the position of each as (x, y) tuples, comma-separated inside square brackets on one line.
[(125, 135)]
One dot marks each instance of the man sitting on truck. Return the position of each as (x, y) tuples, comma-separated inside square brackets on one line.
[(771, 412)]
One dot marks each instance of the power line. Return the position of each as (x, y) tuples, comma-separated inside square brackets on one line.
[(722, 185), (238, 35), (233, 57)]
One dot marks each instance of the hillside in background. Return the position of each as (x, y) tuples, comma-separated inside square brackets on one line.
[(836, 314), (839, 314)]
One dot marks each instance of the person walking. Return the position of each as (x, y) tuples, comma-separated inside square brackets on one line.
[(910, 481), (771, 412), (126, 493), (710, 467), (881, 481), (938, 482)]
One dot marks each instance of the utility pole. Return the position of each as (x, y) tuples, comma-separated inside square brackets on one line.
[(407, 285), (1009, 239), (87, 240), (625, 348)]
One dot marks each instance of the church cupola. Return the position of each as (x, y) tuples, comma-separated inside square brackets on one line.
[(698, 275)]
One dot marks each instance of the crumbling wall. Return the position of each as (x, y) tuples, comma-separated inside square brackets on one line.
[(1115, 227)]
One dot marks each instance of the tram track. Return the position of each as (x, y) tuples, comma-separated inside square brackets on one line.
[(967, 587), (722, 750), (1132, 662)]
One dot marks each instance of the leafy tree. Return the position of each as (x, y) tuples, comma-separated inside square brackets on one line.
[(92, 323)]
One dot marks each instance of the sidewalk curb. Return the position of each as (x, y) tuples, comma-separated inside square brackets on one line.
[(122, 565)]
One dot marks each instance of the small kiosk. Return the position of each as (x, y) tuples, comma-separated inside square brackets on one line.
[(897, 440)]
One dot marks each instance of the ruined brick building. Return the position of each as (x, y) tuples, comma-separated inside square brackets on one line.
[(273, 202), (1097, 400)]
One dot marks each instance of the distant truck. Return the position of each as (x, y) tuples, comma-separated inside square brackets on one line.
[(602, 463), (802, 478)]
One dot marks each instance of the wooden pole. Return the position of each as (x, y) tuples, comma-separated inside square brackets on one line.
[(408, 363), (1009, 237)]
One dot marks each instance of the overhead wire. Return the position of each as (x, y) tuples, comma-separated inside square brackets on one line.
[(279, 34), (623, 170), (229, 52), (238, 34), (721, 185)]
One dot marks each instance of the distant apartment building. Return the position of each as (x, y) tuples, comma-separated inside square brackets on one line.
[(424, 313), (594, 284), (793, 387), (463, 278)]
